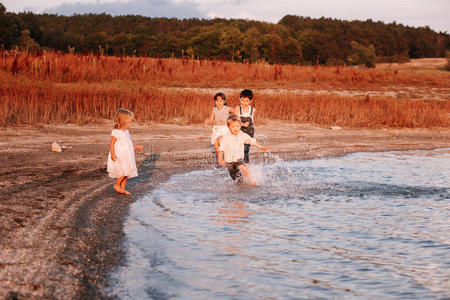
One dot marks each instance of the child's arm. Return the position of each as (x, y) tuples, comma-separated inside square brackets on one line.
[(209, 121), (236, 111), (263, 148), (220, 157), (111, 148), (253, 142), (253, 119)]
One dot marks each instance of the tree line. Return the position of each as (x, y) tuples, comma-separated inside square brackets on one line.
[(293, 40)]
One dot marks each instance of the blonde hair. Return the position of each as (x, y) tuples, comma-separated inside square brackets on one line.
[(122, 118), (232, 119)]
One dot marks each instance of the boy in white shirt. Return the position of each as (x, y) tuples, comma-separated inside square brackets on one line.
[(231, 150)]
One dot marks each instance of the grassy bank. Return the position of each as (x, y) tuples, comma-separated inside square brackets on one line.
[(52, 88)]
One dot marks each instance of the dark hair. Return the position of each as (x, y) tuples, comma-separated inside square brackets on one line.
[(231, 119), (246, 93), (222, 95)]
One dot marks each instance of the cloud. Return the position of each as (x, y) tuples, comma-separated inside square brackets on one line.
[(433, 13), (236, 15), (408, 12), (152, 8)]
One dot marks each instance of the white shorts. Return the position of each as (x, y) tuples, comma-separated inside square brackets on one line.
[(218, 130)]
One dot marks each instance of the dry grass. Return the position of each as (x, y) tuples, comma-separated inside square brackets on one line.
[(65, 88), (418, 64), (65, 68)]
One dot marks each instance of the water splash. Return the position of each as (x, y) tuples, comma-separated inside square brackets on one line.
[(269, 157)]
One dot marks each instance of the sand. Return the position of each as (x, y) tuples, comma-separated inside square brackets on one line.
[(61, 221)]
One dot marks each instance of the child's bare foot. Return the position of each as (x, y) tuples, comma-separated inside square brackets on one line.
[(252, 182), (126, 192), (119, 189)]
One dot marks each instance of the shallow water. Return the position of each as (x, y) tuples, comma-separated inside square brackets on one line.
[(368, 225)]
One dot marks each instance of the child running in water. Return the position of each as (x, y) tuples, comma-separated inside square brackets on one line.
[(231, 150), (121, 162), (218, 118), (246, 114)]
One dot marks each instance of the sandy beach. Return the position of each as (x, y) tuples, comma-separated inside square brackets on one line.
[(61, 221)]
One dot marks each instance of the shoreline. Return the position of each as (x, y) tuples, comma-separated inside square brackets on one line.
[(61, 223)]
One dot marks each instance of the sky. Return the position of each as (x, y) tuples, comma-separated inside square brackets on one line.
[(432, 13)]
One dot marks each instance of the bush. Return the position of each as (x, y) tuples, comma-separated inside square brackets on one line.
[(362, 55)]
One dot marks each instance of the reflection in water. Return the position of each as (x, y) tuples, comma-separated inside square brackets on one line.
[(232, 215), (368, 225)]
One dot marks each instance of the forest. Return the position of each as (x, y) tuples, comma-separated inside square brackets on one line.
[(293, 40)]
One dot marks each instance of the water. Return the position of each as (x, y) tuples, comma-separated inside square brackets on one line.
[(368, 225)]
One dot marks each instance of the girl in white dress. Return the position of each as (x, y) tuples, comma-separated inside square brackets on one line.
[(218, 119), (121, 162)]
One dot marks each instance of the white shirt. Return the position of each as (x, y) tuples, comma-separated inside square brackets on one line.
[(250, 112), (233, 146)]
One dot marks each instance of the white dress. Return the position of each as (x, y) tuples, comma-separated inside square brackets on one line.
[(220, 122), (125, 164)]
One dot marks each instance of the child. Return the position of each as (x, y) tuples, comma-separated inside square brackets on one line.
[(218, 118), (121, 162), (231, 150), (246, 114)]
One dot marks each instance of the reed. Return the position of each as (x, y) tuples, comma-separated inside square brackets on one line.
[(54, 88), (64, 68)]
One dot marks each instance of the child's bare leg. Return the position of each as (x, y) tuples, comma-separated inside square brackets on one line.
[(117, 187), (124, 184), (217, 145), (246, 173)]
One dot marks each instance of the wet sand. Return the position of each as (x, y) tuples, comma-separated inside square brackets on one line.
[(61, 221)]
